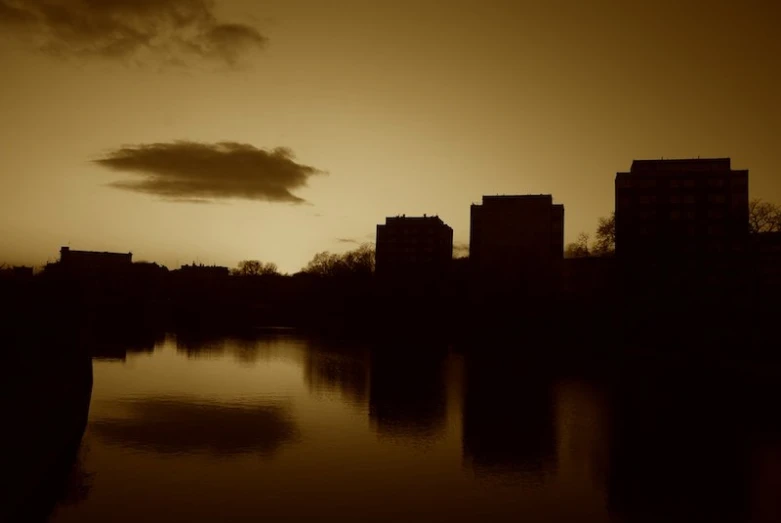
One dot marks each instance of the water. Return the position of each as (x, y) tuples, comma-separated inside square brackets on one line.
[(286, 428)]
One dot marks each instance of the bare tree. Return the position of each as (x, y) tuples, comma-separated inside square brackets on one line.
[(255, 268), (606, 235), (357, 261), (579, 248), (763, 216), (323, 264)]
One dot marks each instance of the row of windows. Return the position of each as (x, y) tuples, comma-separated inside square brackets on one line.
[(677, 214), (413, 242), (646, 199), (428, 231), (736, 182)]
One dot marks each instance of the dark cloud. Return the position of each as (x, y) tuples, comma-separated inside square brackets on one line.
[(175, 425), (368, 238), (192, 171), (170, 31)]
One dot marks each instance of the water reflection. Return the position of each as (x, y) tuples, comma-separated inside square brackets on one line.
[(245, 348), (408, 396), (508, 423), (186, 425), (444, 437), (328, 370), (116, 345), (681, 447)]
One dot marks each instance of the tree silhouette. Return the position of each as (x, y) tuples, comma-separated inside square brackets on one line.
[(357, 261), (763, 216), (578, 248), (606, 235), (255, 268)]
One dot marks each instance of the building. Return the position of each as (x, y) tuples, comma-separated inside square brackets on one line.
[(413, 245), (682, 209), (93, 261), (517, 241), (766, 249)]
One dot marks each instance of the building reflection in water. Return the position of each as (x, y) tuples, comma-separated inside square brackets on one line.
[(685, 447), (408, 401), (508, 421), (335, 370), (583, 444)]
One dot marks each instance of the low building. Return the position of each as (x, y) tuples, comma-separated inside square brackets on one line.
[(94, 261)]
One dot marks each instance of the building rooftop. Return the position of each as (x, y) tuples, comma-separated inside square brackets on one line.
[(408, 219), (96, 253), (510, 198), (688, 165)]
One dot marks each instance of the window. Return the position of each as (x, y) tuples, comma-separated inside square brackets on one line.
[(717, 198), (715, 214), (688, 198), (688, 183)]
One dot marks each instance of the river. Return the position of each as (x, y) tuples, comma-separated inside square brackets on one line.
[(288, 428)]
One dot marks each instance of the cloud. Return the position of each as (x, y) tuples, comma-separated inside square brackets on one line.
[(170, 31), (175, 425), (348, 240), (198, 172)]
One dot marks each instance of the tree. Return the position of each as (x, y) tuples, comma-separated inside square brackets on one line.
[(578, 248), (322, 264), (360, 260), (763, 216), (606, 235), (255, 268), (357, 261)]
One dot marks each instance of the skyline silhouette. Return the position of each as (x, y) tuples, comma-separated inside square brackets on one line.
[(243, 100), (305, 260)]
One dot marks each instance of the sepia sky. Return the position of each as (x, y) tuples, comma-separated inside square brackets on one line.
[(191, 130)]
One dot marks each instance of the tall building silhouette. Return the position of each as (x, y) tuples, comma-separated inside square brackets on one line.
[(681, 208), (682, 250), (517, 241), (413, 245)]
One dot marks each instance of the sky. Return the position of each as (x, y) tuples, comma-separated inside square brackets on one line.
[(212, 132)]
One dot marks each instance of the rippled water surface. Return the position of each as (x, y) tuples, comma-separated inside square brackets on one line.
[(285, 428)]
